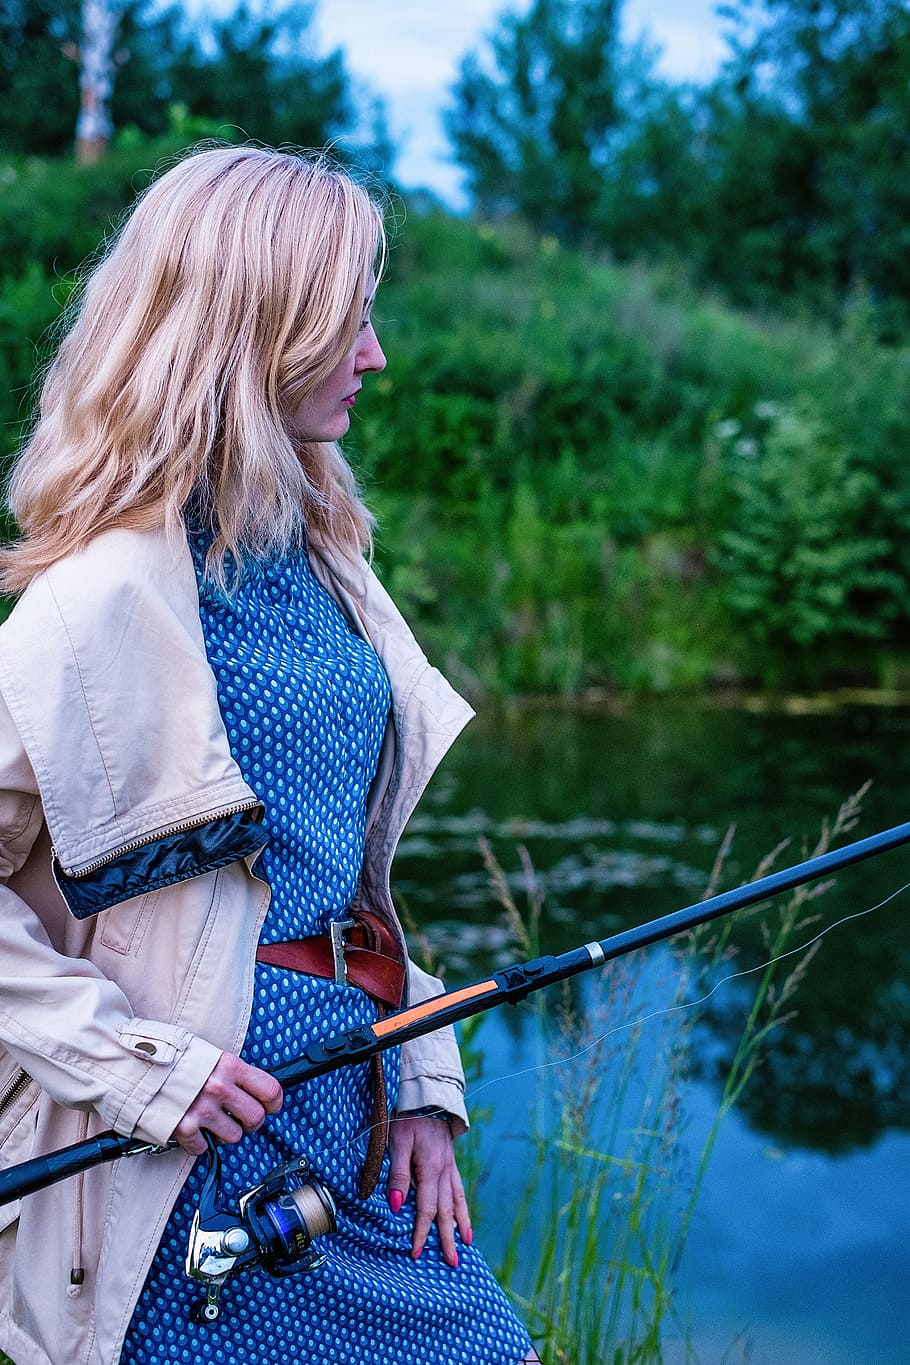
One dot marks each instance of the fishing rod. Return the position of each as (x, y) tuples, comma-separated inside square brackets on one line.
[(510, 985)]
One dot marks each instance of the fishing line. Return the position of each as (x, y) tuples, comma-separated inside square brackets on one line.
[(655, 1014), (686, 1004)]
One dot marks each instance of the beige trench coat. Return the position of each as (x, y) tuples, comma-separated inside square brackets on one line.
[(111, 749)]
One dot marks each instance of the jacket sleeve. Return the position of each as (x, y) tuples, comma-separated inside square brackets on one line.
[(65, 1023), (431, 1070)]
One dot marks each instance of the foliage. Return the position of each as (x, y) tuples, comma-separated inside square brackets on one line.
[(783, 180), (258, 73), (534, 123), (560, 507), (40, 84), (27, 306), (586, 475), (250, 73), (800, 561), (54, 215), (39, 47), (811, 147)]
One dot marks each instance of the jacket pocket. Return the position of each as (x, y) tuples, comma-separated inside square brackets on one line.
[(123, 926), (20, 820), (16, 814)]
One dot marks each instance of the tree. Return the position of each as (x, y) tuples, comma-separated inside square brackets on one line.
[(655, 198), (97, 68), (808, 575), (821, 89), (40, 86), (40, 43), (257, 74), (535, 119)]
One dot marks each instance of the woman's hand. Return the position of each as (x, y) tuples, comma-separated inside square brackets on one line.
[(234, 1100), (421, 1153)]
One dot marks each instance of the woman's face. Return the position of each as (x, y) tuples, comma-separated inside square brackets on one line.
[(324, 415)]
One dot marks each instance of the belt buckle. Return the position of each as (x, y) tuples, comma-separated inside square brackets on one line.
[(337, 930)]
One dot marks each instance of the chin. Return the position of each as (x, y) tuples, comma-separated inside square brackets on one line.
[(328, 433)]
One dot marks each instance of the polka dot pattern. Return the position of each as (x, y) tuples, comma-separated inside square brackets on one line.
[(305, 702)]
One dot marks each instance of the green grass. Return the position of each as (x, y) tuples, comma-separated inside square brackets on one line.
[(604, 1218)]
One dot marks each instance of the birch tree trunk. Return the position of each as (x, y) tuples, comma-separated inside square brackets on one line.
[(94, 127)]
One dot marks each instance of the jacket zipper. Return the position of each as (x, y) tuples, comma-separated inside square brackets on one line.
[(17, 1086), (181, 827)]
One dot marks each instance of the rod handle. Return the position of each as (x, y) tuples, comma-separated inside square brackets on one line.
[(41, 1171)]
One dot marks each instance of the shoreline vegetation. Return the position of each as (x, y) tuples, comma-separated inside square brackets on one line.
[(614, 701), (605, 1129), (598, 479)]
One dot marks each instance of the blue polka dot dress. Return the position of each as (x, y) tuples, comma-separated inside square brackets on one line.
[(305, 703)]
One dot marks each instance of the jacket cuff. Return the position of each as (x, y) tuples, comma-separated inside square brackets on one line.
[(172, 858), (170, 1085), (424, 1092), (431, 1074), (431, 1071)]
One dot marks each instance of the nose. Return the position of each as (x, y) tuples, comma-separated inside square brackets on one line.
[(370, 355)]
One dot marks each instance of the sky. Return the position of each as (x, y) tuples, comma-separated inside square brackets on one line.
[(409, 52)]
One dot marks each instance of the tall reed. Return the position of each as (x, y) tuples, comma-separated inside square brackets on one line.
[(609, 1199)]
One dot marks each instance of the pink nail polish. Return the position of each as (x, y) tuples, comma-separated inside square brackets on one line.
[(455, 1261), (396, 1199), (469, 1237), (416, 1255)]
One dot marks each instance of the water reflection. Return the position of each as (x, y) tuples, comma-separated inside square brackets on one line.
[(622, 815), (838, 1076)]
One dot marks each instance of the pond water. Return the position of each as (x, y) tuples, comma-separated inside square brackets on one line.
[(798, 1250)]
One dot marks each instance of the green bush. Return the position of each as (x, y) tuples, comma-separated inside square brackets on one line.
[(805, 579), (29, 303), (546, 442)]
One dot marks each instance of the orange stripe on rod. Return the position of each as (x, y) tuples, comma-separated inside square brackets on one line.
[(428, 1008)]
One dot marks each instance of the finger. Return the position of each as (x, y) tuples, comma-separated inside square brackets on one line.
[(427, 1193), (460, 1209), (192, 1142), (222, 1126), (248, 1112), (233, 1073), (275, 1100), (400, 1149), (263, 1088), (237, 1089), (445, 1222), (225, 1128)]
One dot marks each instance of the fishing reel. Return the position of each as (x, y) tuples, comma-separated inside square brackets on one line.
[(274, 1227)]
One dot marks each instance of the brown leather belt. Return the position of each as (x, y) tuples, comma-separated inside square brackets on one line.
[(360, 951)]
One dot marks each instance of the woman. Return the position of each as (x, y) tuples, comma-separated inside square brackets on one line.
[(213, 727)]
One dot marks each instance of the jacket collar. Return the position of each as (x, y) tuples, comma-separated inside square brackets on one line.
[(103, 667)]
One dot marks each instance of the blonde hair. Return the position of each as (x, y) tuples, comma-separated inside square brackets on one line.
[(235, 286)]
